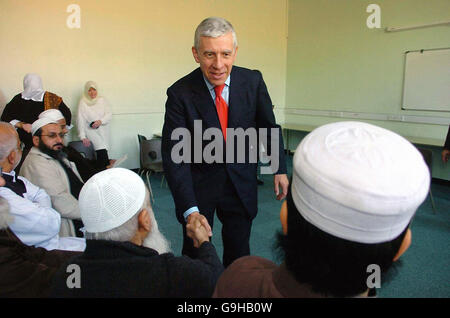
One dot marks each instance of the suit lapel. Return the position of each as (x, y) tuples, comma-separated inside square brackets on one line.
[(237, 98), (203, 102)]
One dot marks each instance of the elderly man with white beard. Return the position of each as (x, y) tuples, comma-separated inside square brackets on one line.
[(126, 255)]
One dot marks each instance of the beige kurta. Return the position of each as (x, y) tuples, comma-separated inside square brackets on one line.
[(47, 173)]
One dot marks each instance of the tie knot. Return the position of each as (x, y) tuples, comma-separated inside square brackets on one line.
[(218, 89)]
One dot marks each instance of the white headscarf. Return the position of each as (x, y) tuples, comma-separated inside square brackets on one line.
[(32, 88), (87, 99)]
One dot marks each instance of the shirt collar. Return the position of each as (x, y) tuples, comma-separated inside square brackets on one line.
[(12, 173), (211, 86)]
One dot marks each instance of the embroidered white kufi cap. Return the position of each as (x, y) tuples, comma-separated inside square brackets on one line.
[(358, 182)]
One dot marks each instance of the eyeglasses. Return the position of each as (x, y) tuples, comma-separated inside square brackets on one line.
[(54, 135)]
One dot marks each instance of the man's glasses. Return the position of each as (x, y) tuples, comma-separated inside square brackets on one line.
[(54, 135)]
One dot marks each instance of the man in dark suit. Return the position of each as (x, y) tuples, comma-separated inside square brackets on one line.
[(219, 96)]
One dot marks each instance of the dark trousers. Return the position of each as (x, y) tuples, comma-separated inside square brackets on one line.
[(236, 224), (102, 158), (78, 224)]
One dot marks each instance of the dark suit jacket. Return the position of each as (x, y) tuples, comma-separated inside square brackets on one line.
[(27, 271), (250, 106)]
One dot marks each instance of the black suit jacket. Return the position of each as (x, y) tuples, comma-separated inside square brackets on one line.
[(250, 106)]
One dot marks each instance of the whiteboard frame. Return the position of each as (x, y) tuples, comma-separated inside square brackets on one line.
[(417, 108)]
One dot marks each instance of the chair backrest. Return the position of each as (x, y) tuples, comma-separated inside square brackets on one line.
[(427, 156), (141, 138), (87, 152), (151, 154)]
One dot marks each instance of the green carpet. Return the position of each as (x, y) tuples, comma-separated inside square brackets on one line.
[(423, 271)]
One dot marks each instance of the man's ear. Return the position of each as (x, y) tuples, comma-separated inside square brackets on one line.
[(406, 243), (12, 157), (36, 141), (195, 54), (235, 51), (144, 223), (283, 217)]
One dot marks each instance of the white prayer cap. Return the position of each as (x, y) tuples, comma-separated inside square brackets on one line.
[(358, 182), (41, 122), (54, 114), (110, 198)]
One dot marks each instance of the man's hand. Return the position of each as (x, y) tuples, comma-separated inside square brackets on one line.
[(24, 126), (86, 142), (196, 216), (280, 180), (445, 155), (197, 232), (111, 163)]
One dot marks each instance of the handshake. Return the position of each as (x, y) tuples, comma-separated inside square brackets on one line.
[(198, 229)]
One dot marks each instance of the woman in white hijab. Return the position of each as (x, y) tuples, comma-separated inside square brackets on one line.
[(94, 116)]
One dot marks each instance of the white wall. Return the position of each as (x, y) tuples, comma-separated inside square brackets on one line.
[(134, 50)]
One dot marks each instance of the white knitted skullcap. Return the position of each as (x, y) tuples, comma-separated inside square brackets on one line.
[(110, 198), (41, 122), (358, 182)]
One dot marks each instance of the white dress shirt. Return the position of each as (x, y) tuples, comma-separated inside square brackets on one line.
[(35, 222)]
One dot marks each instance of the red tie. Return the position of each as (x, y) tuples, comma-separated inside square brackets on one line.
[(222, 109)]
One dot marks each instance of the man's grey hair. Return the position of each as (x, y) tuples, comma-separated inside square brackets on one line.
[(7, 142), (5, 216), (126, 231), (213, 27)]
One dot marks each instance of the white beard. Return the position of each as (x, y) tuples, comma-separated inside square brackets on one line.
[(155, 239)]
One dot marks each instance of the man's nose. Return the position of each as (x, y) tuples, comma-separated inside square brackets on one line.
[(59, 139), (218, 62)]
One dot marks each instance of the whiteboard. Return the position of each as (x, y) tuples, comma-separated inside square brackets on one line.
[(427, 80)]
